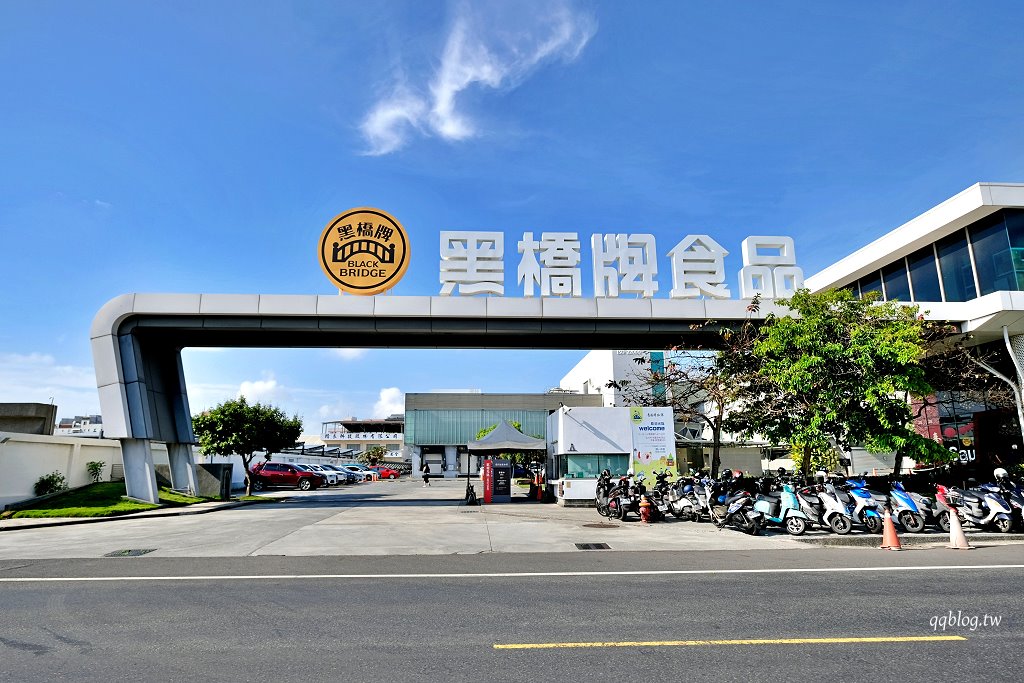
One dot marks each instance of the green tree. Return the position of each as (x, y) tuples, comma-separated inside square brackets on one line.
[(838, 372), (373, 455), (236, 427), (700, 384)]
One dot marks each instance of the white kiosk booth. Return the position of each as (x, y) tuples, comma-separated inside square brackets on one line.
[(584, 441)]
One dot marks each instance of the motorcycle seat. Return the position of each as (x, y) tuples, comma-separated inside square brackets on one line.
[(969, 496), (813, 500), (773, 497)]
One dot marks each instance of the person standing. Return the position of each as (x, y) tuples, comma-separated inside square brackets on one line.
[(425, 469)]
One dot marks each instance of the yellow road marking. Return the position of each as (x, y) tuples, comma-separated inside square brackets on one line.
[(692, 643)]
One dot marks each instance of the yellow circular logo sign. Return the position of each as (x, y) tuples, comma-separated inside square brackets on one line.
[(364, 251)]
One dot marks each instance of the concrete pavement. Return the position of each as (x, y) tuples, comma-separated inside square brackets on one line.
[(379, 518)]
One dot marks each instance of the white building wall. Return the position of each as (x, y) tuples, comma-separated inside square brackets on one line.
[(24, 458), (590, 430), (592, 374)]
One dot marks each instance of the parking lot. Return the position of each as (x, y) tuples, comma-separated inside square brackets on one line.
[(374, 518)]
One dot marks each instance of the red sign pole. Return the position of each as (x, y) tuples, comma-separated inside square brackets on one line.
[(488, 481)]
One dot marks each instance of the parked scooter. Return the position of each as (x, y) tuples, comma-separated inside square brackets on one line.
[(902, 506), (935, 512), (620, 497), (602, 496), (782, 509), (861, 504), (978, 508), (680, 499), (735, 508), (821, 506), (1012, 494)]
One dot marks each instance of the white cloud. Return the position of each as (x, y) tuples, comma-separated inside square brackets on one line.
[(39, 378), (391, 401), (392, 120), (265, 390), (349, 354), (491, 45)]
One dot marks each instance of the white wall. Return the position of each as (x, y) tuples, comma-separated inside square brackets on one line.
[(590, 375), (590, 430), (24, 458)]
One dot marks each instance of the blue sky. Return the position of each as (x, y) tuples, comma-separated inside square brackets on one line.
[(202, 147)]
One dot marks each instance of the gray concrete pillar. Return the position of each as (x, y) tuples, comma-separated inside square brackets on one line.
[(183, 468), (139, 473), (451, 461)]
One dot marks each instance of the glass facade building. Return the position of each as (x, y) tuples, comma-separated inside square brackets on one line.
[(985, 257)]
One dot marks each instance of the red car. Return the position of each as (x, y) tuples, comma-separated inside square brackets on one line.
[(386, 472), (267, 474)]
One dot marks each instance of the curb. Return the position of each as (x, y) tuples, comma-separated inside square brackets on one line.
[(151, 514), (906, 539)]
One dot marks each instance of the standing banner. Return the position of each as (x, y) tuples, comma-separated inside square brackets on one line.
[(654, 442), (488, 478)]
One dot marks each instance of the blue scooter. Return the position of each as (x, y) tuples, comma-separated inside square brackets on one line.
[(862, 505), (782, 509), (904, 508)]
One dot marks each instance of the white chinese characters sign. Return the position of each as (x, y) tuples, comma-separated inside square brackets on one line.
[(472, 262)]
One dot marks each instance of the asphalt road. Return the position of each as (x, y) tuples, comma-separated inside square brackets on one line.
[(440, 618)]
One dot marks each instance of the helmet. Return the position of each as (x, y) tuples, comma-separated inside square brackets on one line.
[(629, 472), (1001, 473), (726, 474)]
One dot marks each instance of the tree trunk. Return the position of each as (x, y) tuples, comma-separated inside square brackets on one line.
[(716, 446), (805, 466), (246, 463), (898, 462)]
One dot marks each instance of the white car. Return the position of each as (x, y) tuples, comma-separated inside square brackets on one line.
[(367, 475), (330, 476)]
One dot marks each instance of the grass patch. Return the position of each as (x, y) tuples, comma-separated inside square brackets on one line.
[(261, 499), (101, 500)]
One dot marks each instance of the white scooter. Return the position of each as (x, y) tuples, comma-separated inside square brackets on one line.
[(822, 507)]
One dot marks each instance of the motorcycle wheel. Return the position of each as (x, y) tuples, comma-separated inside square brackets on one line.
[(944, 521), (913, 523), (1003, 525), (623, 512), (873, 524), (602, 509), (840, 524), (678, 514), (755, 527), (795, 526)]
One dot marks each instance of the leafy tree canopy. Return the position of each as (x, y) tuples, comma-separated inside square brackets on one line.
[(373, 455), (236, 427), (839, 372)]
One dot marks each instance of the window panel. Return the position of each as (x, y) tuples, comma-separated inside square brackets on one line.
[(1014, 219), (955, 267), (870, 283), (924, 275), (897, 284), (992, 255)]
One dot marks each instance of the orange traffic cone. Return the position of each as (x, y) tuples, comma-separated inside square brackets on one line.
[(890, 539), (957, 538)]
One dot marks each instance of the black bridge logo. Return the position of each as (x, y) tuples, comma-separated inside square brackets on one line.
[(385, 253)]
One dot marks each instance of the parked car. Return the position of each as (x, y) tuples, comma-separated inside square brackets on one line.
[(267, 474), (344, 476), (362, 470), (386, 472), (330, 476)]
